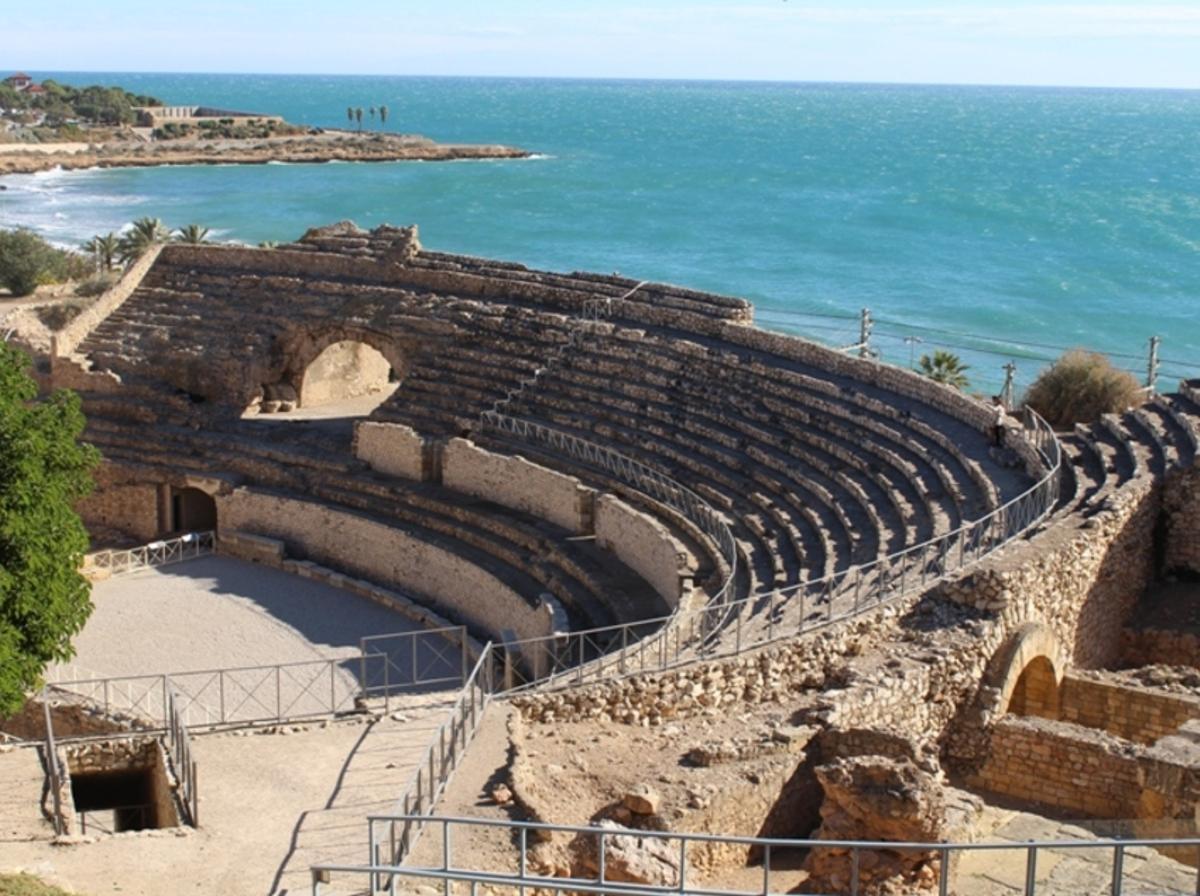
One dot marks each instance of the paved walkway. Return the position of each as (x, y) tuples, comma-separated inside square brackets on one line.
[(1063, 872), (377, 770)]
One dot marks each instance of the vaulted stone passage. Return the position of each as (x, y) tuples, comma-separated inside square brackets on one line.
[(192, 511), (345, 370), (1036, 690)]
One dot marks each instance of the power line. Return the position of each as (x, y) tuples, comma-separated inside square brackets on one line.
[(995, 340)]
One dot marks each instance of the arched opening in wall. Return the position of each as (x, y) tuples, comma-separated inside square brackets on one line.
[(192, 511), (348, 378), (1036, 690)]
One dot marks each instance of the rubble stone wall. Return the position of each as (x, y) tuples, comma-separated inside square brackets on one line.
[(388, 556), (1147, 646), (1081, 582), (646, 546), (516, 482), (776, 674)]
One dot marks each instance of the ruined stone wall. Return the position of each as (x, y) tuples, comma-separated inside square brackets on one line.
[(118, 506), (1074, 769), (1146, 646), (68, 338), (516, 482), (776, 674), (272, 552), (646, 546), (1067, 767), (1133, 713), (1080, 581), (1181, 508), (392, 448), (388, 556)]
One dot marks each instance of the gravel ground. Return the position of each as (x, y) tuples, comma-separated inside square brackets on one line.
[(216, 613)]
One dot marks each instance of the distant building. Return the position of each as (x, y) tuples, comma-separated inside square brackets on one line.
[(155, 116), (22, 82)]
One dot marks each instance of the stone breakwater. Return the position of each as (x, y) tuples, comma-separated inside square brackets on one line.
[(306, 149)]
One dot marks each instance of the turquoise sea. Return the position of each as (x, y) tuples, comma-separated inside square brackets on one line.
[(1000, 222)]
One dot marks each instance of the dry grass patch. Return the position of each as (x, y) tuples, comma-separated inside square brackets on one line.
[(1079, 387)]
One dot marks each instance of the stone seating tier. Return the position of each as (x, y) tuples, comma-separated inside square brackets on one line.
[(532, 555)]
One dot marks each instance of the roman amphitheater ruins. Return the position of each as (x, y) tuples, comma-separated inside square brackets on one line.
[(680, 595)]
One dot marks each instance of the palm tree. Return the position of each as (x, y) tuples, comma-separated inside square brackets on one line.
[(372, 114), (383, 116), (946, 368), (193, 234), (358, 117), (142, 234), (350, 114), (104, 248)]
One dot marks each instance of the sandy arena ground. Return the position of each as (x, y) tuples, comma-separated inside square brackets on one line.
[(218, 613)]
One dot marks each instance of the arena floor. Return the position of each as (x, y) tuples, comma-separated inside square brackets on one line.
[(217, 612)]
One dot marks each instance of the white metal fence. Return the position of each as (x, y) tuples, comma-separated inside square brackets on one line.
[(156, 553)]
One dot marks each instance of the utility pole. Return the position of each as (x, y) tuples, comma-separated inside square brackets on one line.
[(864, 334), (912, 350), (1006, 394), (1152, 366)]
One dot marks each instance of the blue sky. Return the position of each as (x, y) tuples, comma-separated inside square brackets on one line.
[(951, 41)]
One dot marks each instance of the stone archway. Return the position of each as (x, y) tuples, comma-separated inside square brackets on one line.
[(330, 365), (1027, 671), (345, 370), (1035, 692)]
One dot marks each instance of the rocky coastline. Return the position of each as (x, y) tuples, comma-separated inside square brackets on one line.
[(308, 148)]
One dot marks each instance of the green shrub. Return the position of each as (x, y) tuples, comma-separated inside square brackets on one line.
[(27, 260), (1079, 387)]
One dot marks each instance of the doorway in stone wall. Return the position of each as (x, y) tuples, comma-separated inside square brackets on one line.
[(192, 511)]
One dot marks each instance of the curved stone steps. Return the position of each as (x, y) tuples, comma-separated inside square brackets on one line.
[(728, 453), (831, 460), (744, 390)]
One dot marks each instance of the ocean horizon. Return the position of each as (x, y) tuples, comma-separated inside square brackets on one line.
[(998, 222)]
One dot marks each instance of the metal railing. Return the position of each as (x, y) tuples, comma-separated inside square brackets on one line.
[(56, 772), (156, 553), (422, 791), (762, 618), (284, 692), (683, 850), (179, 747)]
